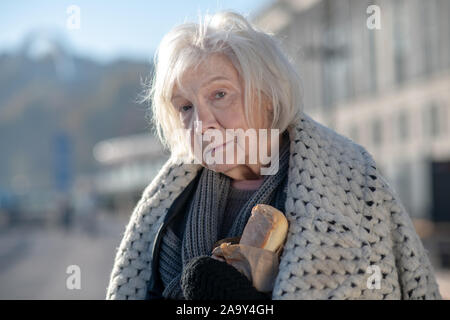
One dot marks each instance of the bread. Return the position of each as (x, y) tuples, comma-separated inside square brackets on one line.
[(266, 228)]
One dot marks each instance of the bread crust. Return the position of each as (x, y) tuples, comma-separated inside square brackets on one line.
[(266, 228)]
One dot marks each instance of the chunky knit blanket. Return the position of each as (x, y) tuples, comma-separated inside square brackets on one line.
[(204, 217), (349, 235)]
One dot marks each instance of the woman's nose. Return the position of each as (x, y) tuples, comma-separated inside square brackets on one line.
[(204, 119)]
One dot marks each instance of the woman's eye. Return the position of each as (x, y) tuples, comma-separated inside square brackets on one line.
[(220, 94), (185, 108)]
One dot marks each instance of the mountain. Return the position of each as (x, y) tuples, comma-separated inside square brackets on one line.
[(45, 94)]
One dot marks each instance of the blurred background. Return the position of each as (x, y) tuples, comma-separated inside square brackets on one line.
[(77, 149)]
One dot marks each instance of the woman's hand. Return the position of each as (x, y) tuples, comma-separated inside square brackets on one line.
[(207, 278), (218, 258)]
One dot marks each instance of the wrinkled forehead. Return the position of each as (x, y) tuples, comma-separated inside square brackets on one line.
[(198, 67)]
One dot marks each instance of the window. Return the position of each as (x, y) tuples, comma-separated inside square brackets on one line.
[(434, 115), (403, 125), (432, 120), (399, 39), (377, 132), (372, 62), (426, 37)]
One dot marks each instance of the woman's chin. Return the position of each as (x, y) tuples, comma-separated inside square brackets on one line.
[(222, 168)]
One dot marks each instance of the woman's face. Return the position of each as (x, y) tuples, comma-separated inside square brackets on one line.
[(213, 94)]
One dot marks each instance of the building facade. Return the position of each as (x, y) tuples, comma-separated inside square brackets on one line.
[(378, 72), (126, 165)]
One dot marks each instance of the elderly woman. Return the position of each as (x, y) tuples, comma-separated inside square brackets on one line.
[(349, 236)]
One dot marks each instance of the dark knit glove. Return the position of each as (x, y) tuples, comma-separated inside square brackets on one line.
[(205, 278)]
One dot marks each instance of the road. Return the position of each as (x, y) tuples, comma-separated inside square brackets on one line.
[(34, 260)]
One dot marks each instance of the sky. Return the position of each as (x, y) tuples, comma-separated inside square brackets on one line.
[(108, 30)]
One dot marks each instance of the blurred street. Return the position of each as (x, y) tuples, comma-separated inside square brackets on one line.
[(79, 145), (33, 261)]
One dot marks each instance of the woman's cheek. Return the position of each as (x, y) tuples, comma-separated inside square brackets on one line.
[(231, 115)]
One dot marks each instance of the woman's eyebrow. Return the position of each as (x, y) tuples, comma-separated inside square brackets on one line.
[(216, 78), (208, 82)]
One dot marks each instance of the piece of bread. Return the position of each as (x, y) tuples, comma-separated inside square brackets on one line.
[(266, 228)]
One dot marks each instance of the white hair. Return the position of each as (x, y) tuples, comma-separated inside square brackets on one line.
[(256, 55)]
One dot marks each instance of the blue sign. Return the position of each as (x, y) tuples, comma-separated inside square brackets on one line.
[(63, 155)]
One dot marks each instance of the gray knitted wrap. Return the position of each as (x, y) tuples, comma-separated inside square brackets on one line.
[(235, 201), (204, 218), (343, 218)]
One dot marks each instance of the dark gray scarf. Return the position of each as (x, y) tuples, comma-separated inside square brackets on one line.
[(204, 218)]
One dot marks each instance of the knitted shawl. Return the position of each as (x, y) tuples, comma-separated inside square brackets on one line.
[(204, 219), (349, 235)]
